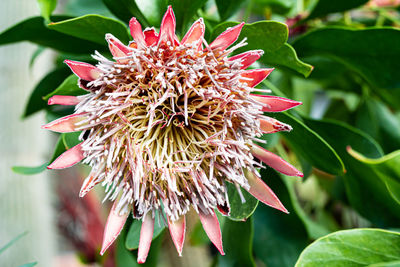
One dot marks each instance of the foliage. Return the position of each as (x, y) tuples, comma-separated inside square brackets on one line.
[(340, 58)]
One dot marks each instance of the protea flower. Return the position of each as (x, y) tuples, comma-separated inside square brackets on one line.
[(167, 124)]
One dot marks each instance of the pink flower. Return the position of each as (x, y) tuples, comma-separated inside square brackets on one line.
[(167, 123)]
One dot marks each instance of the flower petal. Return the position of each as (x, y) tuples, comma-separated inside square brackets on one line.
[(69, 158), (117, 48), (195, 33), (83, 70), (88, 184), (247, 58), (275, 103), (211, 227), (114, 225), (254, 77), (65, 100), (150, 36), (146, 235), (65, 124), (227, 38), (136, 32), (262, 192), (177, 230), (269, 125), (167, 28), (274, 161)]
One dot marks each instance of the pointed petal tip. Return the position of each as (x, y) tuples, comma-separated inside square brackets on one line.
[(83, 70), (115, 223), (177, 230), (68, 159), (211, 227), (274, 161), (146, 236)]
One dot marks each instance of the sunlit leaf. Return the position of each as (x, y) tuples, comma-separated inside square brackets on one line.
[(46, 8), (356, 247)]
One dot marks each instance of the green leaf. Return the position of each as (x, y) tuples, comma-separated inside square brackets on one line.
[(59, 149), (238, 243), (365, 192), (24, 170), (9, 244), (374, 118), (359, 50), (325, 7), (123, 256), (68, 87), (70, 139), (310, 145), (46, 8), (240, 211), (132, 238), (35, 31), (125, 10), (356, 247), (270, 36), (92, 28), (279, 237), (31, 264), (227, 8), (184, 11), (387, 168), (44, 87)]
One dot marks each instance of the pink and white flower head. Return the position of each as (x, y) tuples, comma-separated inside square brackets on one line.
[(165, 126)]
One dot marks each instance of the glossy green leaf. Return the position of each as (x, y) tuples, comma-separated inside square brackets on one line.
[(270, 36), (356, 247), (374, 118), (387, 168), (9, 244), (365, 192), (125, 10), (46, 85), (68, 87), (132, 238), (34, 30), (185, 12), (92, 28), (24, 170), (325, 7), (368, 52), (46, 8), (310, 145), (238, 244), (228, 8), (279, 237), (240, 211)]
